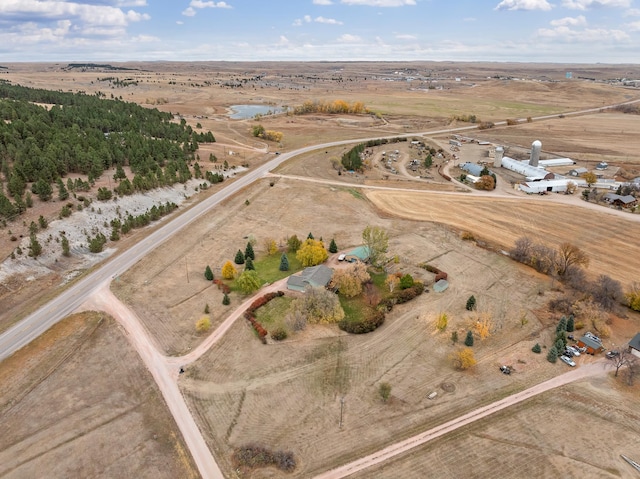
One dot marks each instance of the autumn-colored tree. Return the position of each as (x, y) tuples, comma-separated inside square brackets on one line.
[(349, 280), (318, 305), (633, 297), (486, 182), (482, 325), (590, 177), (270, 246), (569, 256), (392, 282), (229, 271), (442, 321), (203, 325), (248, 281), (312, 253), (464, 359)]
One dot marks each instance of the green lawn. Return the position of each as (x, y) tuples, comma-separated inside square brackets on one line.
[(268, 267), (272, 314)]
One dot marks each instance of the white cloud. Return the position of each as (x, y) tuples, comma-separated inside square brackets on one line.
[(190, 11), (586, 4), (632, 12), (404, 36), (283, 40), (328, 21), (179, 22), (348, 38), (131, 3), (634, 26), (524, 5), (379, 3), (587, 35), (41, 11), (570, 21), (322, 2), (307, 19)]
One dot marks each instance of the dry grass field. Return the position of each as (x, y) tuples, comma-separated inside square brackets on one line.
[(593, 424), (288, 395), (78, 402)]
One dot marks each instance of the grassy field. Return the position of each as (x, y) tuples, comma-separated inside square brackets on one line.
[(78, 402)]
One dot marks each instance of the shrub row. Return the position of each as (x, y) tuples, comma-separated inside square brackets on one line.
[(404, 295), (254, 456), (249, 313), (367, 325), (262, 300), (437, 271)]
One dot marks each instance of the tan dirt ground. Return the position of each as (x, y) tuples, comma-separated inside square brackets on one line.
[(78, 402)]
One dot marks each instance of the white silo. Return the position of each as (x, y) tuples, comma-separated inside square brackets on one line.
[(497, 159), (536, 146)]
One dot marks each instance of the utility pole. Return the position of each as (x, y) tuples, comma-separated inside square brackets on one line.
[(341, 410)]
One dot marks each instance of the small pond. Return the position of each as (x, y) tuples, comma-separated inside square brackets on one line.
[(243, 112)]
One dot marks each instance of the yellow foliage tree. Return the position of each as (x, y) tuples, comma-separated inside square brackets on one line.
[(464, 359), (392, 282), (203, 325), (229, 271), (482, 325), (312, 253), (270, 246), (633, 297), (272, 135), (441, 321)]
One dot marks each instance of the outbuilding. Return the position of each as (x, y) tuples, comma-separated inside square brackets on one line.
[(361, 253), (634, 345), (593, 346)]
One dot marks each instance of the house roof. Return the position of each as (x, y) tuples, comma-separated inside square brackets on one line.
[(313, 276), (441, 285), (472, 168), (623, 199), (579, 171), (590, 343), (635, 342)]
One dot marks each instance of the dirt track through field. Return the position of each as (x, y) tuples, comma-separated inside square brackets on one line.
[(597, 368)]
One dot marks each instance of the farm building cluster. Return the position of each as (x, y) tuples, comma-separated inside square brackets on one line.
[(538, 179)]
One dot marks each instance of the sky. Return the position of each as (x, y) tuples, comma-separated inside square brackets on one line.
[(560, 31)]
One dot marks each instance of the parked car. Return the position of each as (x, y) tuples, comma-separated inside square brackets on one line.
[(342, 257), (574, 350), (612, 354), (570, 337), (589, 334), (581, 349), (505, 369), (567, 360), (568, 353)]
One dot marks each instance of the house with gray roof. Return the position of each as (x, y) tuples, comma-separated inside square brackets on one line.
[(314, 276), (634, 345)]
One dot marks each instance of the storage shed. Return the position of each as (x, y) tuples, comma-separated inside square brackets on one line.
[(593, 346)]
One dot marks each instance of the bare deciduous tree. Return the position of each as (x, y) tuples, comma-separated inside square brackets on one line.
[(607, 292)]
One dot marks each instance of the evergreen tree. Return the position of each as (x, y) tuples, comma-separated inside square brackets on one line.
[(310, 236), (28, 199), (333, 247), (562, 325), (560, 343), (248, 265), (293, 244), (63, 193), (35, 249), (206, 308), (570, 324), (65, 246), (284, 262), (468, 341), (471, 303), (208, 274), (43, 189), (239, 258), (42, 222), (536, 348), (226, 300), (248, 252), (552, 355)]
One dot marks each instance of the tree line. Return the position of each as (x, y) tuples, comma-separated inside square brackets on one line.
[(86, 134)]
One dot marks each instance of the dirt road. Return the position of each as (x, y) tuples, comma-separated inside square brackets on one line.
[(165, 374), (588, 370)]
